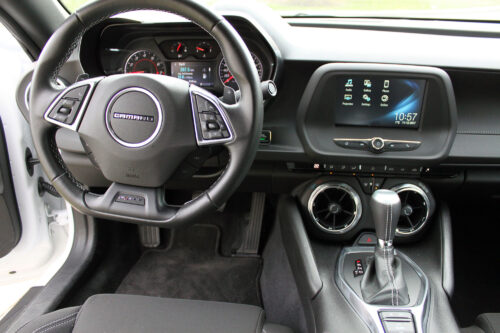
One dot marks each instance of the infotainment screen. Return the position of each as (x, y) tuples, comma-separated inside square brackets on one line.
[(378, 101), (197, 73)]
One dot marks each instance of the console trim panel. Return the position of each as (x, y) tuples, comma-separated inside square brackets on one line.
[(370, 313)]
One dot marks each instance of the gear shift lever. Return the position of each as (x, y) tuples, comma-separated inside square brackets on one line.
[(386, 208), (384, 282)]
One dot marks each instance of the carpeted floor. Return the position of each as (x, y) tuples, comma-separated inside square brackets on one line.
[(476, 253), (191, 268)]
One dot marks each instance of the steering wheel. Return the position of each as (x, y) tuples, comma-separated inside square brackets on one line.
[(138, 128)]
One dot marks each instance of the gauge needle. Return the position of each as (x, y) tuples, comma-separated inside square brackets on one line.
[(229, 79), (179, 47), (138, 72), (200, 49)]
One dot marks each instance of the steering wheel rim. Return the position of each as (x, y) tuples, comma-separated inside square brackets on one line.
[(244, 117)]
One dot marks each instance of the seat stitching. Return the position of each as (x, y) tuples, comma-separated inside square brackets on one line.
[(56, 325), (45, 327)]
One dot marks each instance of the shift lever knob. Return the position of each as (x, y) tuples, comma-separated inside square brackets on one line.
[(386, 208)]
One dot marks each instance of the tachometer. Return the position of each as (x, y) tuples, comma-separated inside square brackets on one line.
[(144, 61), (228, 79)]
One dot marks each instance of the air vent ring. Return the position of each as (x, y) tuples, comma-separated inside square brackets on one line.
[(335, 207), (415, 209)]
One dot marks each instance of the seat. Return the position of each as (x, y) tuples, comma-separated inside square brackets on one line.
[(142, 314), (489, 322), (485, 323)]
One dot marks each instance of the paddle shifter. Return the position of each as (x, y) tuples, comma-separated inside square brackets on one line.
[(384, 282)]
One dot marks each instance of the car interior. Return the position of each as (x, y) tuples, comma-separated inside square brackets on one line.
[(197, 167)]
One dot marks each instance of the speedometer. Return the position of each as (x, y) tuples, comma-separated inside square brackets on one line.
[(228, 79), (144, 61)]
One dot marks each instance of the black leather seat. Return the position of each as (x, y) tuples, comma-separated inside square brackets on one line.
[(141, 314)]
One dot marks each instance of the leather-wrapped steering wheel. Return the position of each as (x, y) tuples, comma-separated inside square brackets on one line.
[(138, 128)]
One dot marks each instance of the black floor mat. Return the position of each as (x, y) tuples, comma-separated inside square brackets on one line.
[(191, 268), (476, 253)]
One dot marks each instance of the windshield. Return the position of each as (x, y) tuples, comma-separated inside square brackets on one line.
[(479, 10)]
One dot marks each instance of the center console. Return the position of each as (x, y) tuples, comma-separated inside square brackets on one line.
[(367, 244), (361, 267), (391, 293)]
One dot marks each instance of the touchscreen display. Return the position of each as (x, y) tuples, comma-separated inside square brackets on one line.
[(379, 101), (197, 73)]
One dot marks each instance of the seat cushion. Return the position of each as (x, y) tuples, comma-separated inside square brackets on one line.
[(133, 314), (61, 321), (489, 322)]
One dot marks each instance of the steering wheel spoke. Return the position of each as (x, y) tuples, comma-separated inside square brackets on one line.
[(119, 200), (70, 105), (211, 122)]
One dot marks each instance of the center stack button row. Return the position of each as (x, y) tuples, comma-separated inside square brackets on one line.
[(377, 144)]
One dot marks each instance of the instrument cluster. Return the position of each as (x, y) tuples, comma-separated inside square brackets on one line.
[(198, 61)]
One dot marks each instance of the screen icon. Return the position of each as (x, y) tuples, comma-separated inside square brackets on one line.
[(349, 83), (368, 83), (384, 98), (386, 84), (367, 98), (347, 97)]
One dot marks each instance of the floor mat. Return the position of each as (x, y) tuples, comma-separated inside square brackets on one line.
[(476, 253), (191, 268)]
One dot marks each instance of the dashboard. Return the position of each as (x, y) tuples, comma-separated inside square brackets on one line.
[(424, 104), (184, 51)]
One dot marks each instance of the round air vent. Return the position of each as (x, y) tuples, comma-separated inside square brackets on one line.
[(335, 207), (415, 209)]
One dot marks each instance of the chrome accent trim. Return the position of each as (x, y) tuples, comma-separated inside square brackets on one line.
[(83, 107), (195, 90), (377, 138), (158, 110), (382, 244), (386, 141), (351, 192), (369, 313), (411, 187)]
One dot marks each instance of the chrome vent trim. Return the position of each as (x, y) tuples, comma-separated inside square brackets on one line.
[(335, 208), (417, 204)]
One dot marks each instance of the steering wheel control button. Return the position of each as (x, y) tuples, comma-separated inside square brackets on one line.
[(211, 126), (77, 93), (131, 199), (378, 143), (134, 117), (68, 106)]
